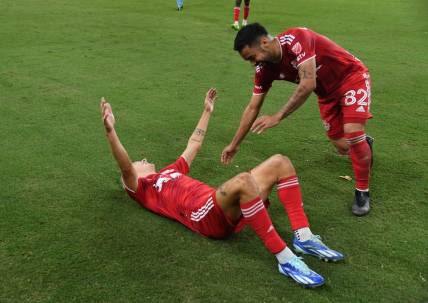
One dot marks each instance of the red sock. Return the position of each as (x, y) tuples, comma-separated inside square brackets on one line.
[(236, 11), (246, 11), (291, 197), (256, 215), (360, 153)]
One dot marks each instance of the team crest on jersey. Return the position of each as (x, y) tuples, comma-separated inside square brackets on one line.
[(165, 177), (297, 48)]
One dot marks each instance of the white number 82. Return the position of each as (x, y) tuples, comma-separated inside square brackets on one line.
[(351, 99)]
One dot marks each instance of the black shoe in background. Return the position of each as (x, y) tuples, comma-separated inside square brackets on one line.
[(361, 206)]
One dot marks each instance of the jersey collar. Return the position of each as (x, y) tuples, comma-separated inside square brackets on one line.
[(280, 47)]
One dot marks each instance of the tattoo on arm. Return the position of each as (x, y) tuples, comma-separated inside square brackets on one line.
[(199, 132), (306, 74)]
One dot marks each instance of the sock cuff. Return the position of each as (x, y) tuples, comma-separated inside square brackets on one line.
[(287, 182), (355, 137), (303, 233), (237, 8), (252, 207), (303, 225), (282, 254)]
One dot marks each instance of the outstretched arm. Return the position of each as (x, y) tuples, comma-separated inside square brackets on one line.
[(248, 117), (196, 139), (129, 174), (307, 75)]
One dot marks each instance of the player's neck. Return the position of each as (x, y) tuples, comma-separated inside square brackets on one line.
[(145, 173), (277, 50)]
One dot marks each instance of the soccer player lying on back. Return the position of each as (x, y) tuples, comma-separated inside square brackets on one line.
[(217, 213)]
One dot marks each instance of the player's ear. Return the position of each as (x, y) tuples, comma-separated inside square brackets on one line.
[(264, 42)]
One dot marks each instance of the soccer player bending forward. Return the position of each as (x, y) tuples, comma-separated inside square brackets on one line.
[(315, 63), (219, 212)]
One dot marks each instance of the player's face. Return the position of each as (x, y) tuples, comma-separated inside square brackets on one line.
[(144, 168), (256, 54)]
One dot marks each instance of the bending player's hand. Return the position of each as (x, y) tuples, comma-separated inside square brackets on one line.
[(264, 122), (210, 99), (228, 153), (107, 115)]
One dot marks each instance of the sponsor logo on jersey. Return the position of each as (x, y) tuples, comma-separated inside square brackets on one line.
[(297, 48), (165, 177), (360, 109), (300, 57)]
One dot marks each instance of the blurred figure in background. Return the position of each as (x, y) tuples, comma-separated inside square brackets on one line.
[(237, 10), (179, 4)]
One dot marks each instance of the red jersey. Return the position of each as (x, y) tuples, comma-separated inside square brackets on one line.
[(172, 194), (334, 64)]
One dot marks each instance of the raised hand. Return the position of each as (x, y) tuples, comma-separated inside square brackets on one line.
[(210, 99), (107, 115)]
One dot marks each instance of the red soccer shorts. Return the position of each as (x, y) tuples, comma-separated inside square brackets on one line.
[(349, 104), (208, 219)]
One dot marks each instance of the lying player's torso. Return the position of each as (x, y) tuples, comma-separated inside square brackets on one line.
[(172, 194)]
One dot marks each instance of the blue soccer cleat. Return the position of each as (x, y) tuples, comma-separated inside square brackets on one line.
[(301, 273), (315, 247)]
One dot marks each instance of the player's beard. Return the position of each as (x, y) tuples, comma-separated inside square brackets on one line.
[(268, 62), (269, 59)]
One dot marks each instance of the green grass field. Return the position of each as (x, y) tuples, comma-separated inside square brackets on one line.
[(68, 232)]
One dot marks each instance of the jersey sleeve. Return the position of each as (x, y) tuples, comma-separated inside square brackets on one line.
[(262, 81), (180, 165), (301, 44), (131, 193)]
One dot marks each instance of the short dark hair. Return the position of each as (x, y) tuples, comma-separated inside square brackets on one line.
[(248, 36)]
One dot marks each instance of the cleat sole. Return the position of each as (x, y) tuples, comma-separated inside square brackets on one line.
[(303, 285), (300, 251)]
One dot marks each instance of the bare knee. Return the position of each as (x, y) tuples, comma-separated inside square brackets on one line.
[(282, 163), (280, 159), (244, 179), (246, 183)]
